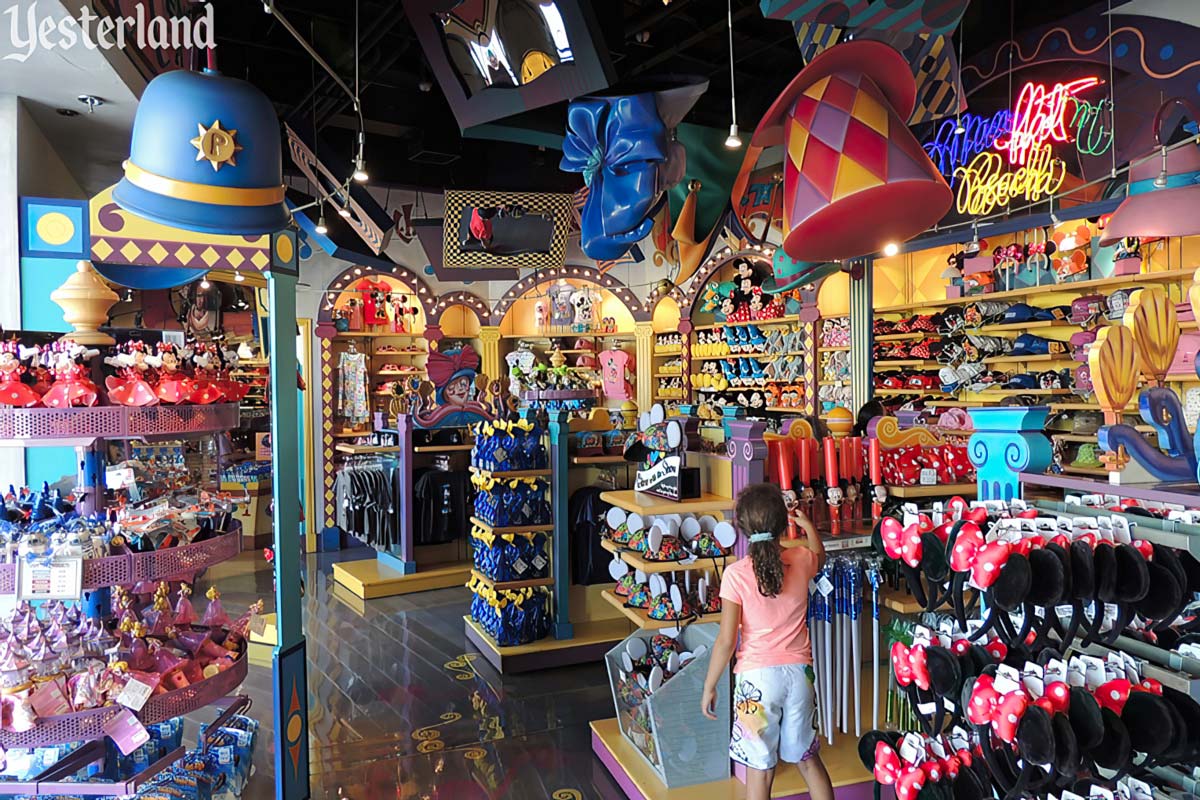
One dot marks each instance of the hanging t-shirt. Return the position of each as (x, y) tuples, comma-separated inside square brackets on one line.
[(613, 364), (374, 296), (441, 506)]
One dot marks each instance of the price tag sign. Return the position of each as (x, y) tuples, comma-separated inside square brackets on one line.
[(928, 476), (59, 578), (126, 731), (134, 695), (118, 477)]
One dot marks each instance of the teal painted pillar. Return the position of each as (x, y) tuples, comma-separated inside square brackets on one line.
[(290, 667), (1008, 440), (560, 556), (862, 317)]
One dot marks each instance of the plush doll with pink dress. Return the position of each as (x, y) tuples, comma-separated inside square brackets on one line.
[(202, 389), (171, 379), (133, 383), (13, 392), (72, 377)]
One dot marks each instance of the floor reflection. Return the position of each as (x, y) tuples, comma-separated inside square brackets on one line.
[(399, 707)]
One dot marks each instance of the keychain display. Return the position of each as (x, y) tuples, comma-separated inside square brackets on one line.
[(511, 617), (510, 556), (503, 446)]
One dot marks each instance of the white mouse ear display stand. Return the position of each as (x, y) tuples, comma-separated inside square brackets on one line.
[(617, 569), (690, 528), (658, 585), (657, 414), (672, 662), (708, 523), (654, 539), (627, 662), (656, 678), (676, 599), (634, 522)]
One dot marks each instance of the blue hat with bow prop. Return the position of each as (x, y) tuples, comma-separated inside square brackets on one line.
[(623, 146)]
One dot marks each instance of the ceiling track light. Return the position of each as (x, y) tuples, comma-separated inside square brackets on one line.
[(733, 141), (238, 276), (1160, 182), (204, 284), (321, 229)]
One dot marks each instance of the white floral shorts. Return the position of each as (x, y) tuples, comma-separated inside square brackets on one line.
[(774, 716)]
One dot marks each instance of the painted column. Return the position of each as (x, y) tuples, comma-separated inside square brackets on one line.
[(644, 336), (748, 456), (1007, 440), (489, 342), (289, 662), (685, 352), (560, 548), (862, 316)]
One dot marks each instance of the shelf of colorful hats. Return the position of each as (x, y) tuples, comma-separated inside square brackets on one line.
[(914, 392), (1021, 327), (56, 427), (1117, 282), (785, 320), (1027, 359), (908, 362), (896, 337), (932, 490), (644, 503), (635, 560), (643, 619), (1018, 392)]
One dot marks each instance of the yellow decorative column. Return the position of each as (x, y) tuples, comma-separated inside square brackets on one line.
[(489, 342), (644, 335)]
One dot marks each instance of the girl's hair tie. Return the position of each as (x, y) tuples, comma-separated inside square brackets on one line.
[(761, 536)]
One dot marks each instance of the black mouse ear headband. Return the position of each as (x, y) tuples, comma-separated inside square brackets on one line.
[(995, 568), (1045, 591), (928, 675)]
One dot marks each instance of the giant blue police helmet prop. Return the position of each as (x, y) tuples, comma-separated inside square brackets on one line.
[(205, 156)]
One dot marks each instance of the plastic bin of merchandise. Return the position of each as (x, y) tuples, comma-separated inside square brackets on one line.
[(682, 745)]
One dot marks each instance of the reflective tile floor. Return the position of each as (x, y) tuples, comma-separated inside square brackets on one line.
[(400, 707)]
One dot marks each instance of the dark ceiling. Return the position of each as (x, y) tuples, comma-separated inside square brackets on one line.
[(643, 37)]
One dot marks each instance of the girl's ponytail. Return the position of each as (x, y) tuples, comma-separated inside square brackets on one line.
[(761, 514)]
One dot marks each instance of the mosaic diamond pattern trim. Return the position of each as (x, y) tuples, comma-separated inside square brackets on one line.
[(155, 253)]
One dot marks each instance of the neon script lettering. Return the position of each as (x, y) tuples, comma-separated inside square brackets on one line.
[(1040, 116), (983, 184), (1092, 136), (950, 150)]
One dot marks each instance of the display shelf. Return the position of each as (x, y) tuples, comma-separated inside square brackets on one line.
[(935, 490), (953, 431), (365, 449), (350, 434), (834, 348), (956, 403), (642, 619), (1018, 392), (89, 725), (591, 640), (1122, 281), (673, 350), (1022, 327), (633, 559), (512, 528), (786, 410), (58, 427), (756, 356), (900, 337), (668, 375), (907, 362), (644, 503), (609, 459), (784, 320), (443, 448), (1071, 469), (253, 362), (372, 578), (532, 582), (1027, 359), (899, 600), (1183, 494), (1073, 437), (915, 392), (372, 335), (512, 473)]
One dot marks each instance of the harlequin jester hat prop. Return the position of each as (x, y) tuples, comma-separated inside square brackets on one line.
[(848, 155), (205, 156)]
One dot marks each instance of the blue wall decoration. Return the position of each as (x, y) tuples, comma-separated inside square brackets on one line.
[(1008, 440)]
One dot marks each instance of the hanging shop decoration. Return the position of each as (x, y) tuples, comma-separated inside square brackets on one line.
[(1010, 155), (1163, 191), (626, 150), (905, 16), (850, 157), (205, 156)]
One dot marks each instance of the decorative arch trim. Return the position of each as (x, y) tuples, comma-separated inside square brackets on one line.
[(641, 311), (356, 272), (466, 299)]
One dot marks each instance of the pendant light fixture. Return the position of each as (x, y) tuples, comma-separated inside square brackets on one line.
[(321, 229), (360, 171), (958, 126), (733, 141)]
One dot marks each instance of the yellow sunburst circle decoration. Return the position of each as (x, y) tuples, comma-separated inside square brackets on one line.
[(1152, 318), (216, 145), (1112, 360)]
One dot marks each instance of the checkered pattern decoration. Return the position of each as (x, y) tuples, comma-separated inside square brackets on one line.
[(850, 157), (815, 38), (909, 16), (458, 203), (327, 440)]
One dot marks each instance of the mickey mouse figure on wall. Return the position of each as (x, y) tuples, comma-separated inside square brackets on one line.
[(746, 297)]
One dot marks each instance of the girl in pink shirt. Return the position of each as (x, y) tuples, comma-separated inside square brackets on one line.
[(766, 597)]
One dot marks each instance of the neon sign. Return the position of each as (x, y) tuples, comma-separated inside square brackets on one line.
[(1041, 117)]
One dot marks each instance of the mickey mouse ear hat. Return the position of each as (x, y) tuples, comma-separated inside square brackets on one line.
[(919, 553), (1045, 589), (995, 568), (1131, 584)]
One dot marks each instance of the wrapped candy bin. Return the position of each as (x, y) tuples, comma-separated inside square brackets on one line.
[(657, 678), (510, 556), (511, 616), (504, 445), (511, 502)]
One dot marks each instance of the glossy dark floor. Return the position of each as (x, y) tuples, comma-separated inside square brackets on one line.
[(400, 707)]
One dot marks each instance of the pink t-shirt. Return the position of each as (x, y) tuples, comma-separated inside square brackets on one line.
[(774, 629)]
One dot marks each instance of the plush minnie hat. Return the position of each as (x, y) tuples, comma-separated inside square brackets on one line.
[(996, 568)]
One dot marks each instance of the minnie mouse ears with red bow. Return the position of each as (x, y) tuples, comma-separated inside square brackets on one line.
[(921, 552)]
